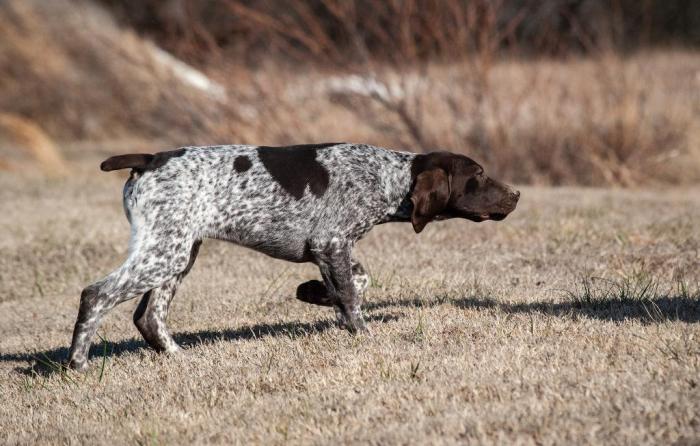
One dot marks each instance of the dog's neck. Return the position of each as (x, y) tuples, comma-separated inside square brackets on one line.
[(397, 184)]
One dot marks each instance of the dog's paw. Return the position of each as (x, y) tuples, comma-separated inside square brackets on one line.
[(357, 327), (78, 366), (340, 318), (314, 292), (173, 350)]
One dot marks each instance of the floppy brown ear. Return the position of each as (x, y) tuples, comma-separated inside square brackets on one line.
[(430, 196)]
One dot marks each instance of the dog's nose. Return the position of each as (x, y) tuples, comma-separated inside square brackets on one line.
[(516, 194)]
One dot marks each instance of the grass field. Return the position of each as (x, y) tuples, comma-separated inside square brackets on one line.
[(574, 320)]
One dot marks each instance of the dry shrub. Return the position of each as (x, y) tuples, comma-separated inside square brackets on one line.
[(603, 119), (24, 146), (442, 82), (606, 120), (70, 68), (405, 30)]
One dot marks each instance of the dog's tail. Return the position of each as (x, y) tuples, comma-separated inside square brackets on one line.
[(131, 161)]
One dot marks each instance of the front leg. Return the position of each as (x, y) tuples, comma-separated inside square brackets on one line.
[(336, 265), (360, 278), (315, 292)]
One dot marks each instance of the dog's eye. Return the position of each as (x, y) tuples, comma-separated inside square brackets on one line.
[(472, 185)]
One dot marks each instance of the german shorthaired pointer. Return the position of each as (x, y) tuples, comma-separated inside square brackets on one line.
[(307, 203)]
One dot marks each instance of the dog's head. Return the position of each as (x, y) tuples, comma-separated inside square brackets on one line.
[(447, 185)]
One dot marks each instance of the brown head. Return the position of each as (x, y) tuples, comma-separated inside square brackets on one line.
[(447, 185)]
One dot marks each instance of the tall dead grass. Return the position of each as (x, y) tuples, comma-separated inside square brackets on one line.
[(595, 121), (25, 146), (345, 31), (427, 76), (602, 119), (69, 67)]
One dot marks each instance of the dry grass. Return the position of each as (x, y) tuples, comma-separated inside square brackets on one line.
[(577, 319)]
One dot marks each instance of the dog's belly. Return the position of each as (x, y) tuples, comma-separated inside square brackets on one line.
[(277, 240), (290, 250)]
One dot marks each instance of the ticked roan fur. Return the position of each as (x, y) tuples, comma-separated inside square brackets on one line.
[(307, 203)]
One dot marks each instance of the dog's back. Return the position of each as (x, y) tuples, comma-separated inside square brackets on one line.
[(271, 199)]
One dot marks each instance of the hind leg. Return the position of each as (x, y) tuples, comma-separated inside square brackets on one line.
[(152, 312), (148, 267)]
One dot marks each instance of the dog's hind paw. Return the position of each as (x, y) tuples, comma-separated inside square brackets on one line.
[(314, 292)]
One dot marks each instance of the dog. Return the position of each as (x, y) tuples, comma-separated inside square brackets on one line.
[(305, 203)]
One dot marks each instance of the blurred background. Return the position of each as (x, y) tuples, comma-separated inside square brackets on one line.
[(588, 92)]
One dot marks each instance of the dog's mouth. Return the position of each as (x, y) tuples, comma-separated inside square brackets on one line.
[(503, 210), (473, 216), (478, 218)]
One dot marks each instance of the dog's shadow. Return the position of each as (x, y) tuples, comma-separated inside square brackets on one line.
[(49, 362), (652, 309)]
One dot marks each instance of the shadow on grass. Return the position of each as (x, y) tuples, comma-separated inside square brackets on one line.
[(651, 311), (49, 362), (640, 300)]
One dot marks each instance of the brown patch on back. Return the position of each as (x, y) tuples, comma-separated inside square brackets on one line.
[(295, 167), (161, 158), (242, 163)]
